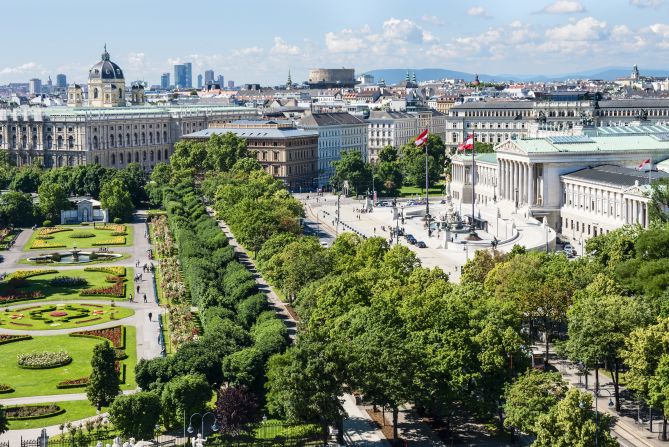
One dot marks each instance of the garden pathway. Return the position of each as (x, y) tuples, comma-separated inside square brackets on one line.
[(147, 331)]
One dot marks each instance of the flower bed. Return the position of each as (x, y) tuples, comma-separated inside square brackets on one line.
[(118, 240), (114, 278), (44, 360), (87, 320), (81, 234), (111, 227), (23, 274), (16, 323), (73, 383), (23, 412), (58, 313), (116, 335), (117, 271), (5, 389), (117, 291), (4, 338), (41, 244), (46, 231), (14, 295), (68, 281)]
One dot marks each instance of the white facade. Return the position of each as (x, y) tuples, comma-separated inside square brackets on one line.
[(389, 129)]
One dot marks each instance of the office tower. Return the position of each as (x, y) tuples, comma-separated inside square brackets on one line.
[(61, 81), (180, 76), (231, 84), (189, 75), (199, 81), (208, 77), (165, 81), (221, 81), (35, 86)]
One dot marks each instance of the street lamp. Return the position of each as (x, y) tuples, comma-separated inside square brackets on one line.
[(610, 405), (190, 428)]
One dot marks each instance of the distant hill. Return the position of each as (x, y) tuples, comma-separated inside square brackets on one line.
[(395, 75)]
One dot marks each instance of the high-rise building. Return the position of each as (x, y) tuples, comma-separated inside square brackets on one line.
[(189, 74), (199, 80), (231, 84), (165, 81), (35, 86), (221, 80), (61, 81), (209, 77), (180, 76)]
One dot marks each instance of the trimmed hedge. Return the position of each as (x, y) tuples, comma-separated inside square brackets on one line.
[(12, 338), (46, 411), (5, 389)]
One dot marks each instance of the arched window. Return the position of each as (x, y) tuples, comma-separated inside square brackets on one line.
[(151, 156), (164, 137), (113, 159), (166, 155), (95, 142), (158, 137), (143, 138), (150, 138), (158, 153), (111, 140), (24, 142), (97, 161), (59, 142), (136, 157), (120, 140), (70, 160), (135, 139), (70, 142), (120, 158), (143, 155), (49, 142), (95, 96), (127, 139), (1, 141), (129, 157)]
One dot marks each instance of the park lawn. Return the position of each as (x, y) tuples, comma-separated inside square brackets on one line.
[(117, 312), (409, 191), (42, 382), (63, 238), (74, 411), (53, 293), (123, 256)]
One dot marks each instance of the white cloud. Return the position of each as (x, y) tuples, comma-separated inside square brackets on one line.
[(647, 3), (433, 20), (477, 11), (586, 29), (249, 51), (402, 30), (283, 47), (346, 41), (563, 7), (28, 67), (660, 29), (136, 61)]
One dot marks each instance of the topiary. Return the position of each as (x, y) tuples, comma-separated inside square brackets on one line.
[(47, 223), (117, 220)]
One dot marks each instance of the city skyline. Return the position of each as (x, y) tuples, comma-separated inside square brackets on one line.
[(547, 37)]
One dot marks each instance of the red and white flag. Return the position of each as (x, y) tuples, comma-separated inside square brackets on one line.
[(644, 164), (468, 145), (421, 139)]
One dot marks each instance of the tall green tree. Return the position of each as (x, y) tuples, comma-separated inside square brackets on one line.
[(4, 423), (116, 198), (16, 209), (103, 386), (413, 163), (136, 415), (352, 168), (52, 200), (183, 395), (658, 208)]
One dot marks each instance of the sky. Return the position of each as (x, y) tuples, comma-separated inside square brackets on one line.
[(258, 41)]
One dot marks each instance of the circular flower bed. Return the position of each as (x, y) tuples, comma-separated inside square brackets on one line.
[(44, 360), (58, 313)]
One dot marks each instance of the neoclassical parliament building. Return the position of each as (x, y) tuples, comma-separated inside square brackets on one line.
[(113, 128)]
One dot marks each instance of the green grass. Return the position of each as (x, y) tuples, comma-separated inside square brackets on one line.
[(41, 283), (166, 334), (74, 411), (63, 238), (41, 382), (40, 325), (409, 191), (123, 256)]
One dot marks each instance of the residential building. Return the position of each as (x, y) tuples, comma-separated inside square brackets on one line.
[(165, 81), (389, 129), (337, 133), (284, 151), (35, 86)]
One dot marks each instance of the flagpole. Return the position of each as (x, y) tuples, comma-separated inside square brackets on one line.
[(473, 228), (427, 195)]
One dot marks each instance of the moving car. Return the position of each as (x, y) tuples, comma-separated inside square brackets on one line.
[(421, 244)]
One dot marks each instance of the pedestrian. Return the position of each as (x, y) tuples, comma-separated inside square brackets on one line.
[(145, 298), (137, 288), (150, 315), (130, 299)]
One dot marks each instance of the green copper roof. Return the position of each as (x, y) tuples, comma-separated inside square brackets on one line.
[(488, 157), (620, 143)]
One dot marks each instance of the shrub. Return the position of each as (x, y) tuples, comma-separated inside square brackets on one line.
[(73, 383), (5, 338), (42, 244), (43, 360), (117, 240), (117, 220), (47, 223), (5, 389), (81, 234), (116, 335), (116, 271), (68, 281)]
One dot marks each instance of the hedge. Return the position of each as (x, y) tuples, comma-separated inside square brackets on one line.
[(5, 389), (12, 338)]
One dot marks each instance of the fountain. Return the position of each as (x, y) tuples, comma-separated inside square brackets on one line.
[(73, 256)]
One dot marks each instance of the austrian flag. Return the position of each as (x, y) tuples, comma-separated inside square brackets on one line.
[(644, 163), (468, 145), (421, 139)]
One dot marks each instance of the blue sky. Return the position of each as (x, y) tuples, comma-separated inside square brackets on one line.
[(257, 41)]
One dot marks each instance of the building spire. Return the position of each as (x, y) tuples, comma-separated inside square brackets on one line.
[(289, 82), (105, 55)]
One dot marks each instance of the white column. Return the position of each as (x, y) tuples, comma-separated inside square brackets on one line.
[(531, 190)]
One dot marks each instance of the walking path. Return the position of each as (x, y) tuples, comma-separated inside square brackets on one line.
[(147, 332)]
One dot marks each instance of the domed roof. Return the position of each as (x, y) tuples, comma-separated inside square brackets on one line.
[(105, 69)]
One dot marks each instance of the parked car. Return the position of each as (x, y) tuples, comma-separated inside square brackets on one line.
[(569, 250), (421, 244)]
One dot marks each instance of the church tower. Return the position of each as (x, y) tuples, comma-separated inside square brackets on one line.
[(289, 82)]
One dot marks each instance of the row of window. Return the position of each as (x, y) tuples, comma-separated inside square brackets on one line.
[(137, 139), (128, 159)]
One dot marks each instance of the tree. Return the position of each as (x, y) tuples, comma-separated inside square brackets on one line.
[(659, 201), (4, 423), (572, 423), (413, 164), (223, 151), (116, 198), (16, 209), (134, 179), (136, 415), (183, 395), (598, 327), (658, 390), (388, 176), (236, 408), (352, 168), (388, 154), (26, 179), (103, 385), (477, 268), (52, 200), (530, 396), (161, 174)]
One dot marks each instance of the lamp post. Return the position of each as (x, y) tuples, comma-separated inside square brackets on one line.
[(610, 405), (190, 428)]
